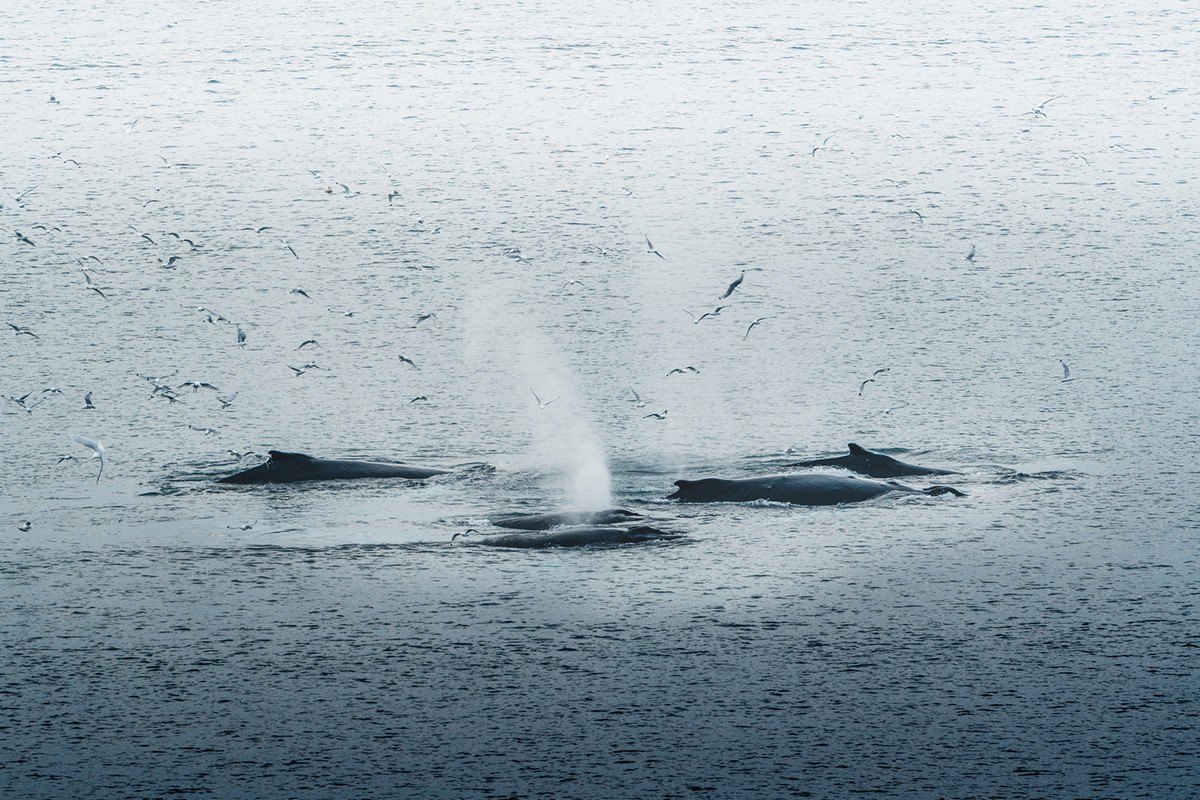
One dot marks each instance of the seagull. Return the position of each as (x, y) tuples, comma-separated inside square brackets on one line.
[(697, 320), (734, 285), (22, 331), (920, 216), (871, 379), (263, 229), (637, 401), (307, 342), (663, 415), (1038, 112), (418, 397), (392, 195), (1066, 372), (21, 401), (408, 361), (23, 238), (569, 283), (423, 317), (682, 371), (205, 431), (971, 255), (539, 400), (650, 249), (97, 451), (135, 122), (170, 262), (26, 524), (752, 324), (289, 247), (302, 293), (227, 401), (18, 198), (93, 286), (241, 337), (298, 370), (87, 404), (198, 385)]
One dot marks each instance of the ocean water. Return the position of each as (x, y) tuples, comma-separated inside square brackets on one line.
[(504, 168)]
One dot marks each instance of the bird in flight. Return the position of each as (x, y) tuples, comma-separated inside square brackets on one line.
[(650, 249), (752, 324), (97, 451), (539, 400), (871, 379), (734, 285)]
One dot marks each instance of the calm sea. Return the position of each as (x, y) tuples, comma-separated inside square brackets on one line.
[(538, 199)]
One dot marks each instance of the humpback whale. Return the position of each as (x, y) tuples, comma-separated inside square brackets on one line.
[(576, 536), (805, 488), (876, 465), (292, 467), (558, 519)]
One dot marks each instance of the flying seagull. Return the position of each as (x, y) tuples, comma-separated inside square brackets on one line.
[(539, 400), (752, 324), (650, 249), (734, 285), (97, 452)]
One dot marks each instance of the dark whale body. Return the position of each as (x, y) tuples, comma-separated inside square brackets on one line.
[(577, 536), (293, 467), (876, 465), (803, 488), (558, 519)]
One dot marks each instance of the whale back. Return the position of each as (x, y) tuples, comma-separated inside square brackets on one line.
[(285, 467), (542, 522), (578, 536), (869, 463), (803, 488)]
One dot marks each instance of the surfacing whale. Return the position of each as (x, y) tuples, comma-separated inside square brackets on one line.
[(293, 467), (802, 488), (876, 465), (575, 536), (558, 519)]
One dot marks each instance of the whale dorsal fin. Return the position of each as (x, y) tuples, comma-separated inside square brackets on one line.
[(855, 450), (279, 455)]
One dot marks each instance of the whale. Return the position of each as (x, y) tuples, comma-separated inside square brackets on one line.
[(574, 536), (798, 488), (558, 519), (866, 462), (283, 467)]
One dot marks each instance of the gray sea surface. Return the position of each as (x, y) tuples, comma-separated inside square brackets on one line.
[(481, 189)]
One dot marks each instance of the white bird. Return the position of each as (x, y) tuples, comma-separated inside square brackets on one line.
[(241, 337), (650, 249), (97, 452), (539, 400), (751, 327), (1066, 371), (734, 285), (971, 255), (637, 401)]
